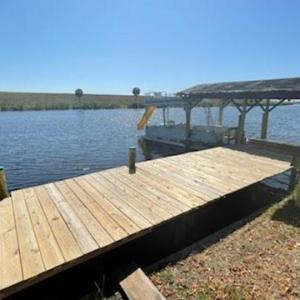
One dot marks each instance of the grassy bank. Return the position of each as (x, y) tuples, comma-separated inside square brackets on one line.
[(46, 101), (258, 261)]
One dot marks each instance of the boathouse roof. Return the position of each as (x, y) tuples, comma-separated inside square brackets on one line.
[(285, 88)]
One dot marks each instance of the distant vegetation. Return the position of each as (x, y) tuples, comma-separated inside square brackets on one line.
[(45, 101)]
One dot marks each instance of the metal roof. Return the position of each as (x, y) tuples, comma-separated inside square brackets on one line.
[(286, 88)]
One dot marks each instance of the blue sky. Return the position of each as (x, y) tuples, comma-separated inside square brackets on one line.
[(166, 45)]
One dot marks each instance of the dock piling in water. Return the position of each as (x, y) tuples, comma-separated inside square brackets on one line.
[(3, 184), (131, 160)]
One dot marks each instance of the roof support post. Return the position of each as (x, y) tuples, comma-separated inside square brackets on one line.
[(164, 115), (221, 114), (265, 120), (188, 113), (241, 125)]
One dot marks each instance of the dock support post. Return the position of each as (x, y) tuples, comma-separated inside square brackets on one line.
[(3, 184), (241, 127), (265, 120), (131, 160), (295, 179), (221, 114), (164, 115), (188, 110)]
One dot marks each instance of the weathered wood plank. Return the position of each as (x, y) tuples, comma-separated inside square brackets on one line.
[(67, 243), (142, 206), (96, 230), (102, 186), (10, 260), (127, 188), (135, 284), (31, 259), (114, 212), (104, 218), (49, 248), (155, 193), (141, 188), (84, 239)]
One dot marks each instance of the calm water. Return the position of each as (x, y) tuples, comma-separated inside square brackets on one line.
[(43, 146)]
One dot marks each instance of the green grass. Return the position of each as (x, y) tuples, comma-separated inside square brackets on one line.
[(46, 101)]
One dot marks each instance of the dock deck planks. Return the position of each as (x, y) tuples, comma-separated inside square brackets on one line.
[(49, 228)]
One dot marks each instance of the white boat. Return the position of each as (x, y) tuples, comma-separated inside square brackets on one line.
[(185, 135)]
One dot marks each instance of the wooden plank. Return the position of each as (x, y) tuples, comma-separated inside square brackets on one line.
[(161, 212), (266, 162), (96, 230), (174, 190), (157, 195), (104, 218), (171, 191), (132, 213), (31, 259), (114, 212), (146, 208), (252, 170), (156, 172), (222, 172), (141, 188), (281, 147), (190, 182), (10, 260), (84, 239), (214, 171), (204, 178), (67, 243), (135, 284), (49, 248)]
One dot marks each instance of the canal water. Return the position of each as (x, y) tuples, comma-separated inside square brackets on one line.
[(42, 146)]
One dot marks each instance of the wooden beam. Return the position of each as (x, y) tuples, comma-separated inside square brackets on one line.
[(241, 125), (135, 284), (164, 115), (277, 146), (221, 115), (188, 112), (265, 121)]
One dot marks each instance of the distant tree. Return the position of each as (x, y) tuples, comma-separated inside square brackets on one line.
[(136, 91), (79, 93)]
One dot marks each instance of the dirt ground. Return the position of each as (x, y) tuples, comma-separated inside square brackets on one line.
[(261, 260)]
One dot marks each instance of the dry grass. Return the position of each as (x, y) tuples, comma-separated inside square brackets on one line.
[(258, 261)]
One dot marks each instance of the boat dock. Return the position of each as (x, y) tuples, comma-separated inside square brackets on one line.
[(47, 229)]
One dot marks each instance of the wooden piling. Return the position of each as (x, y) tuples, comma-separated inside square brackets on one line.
[(131, 160), (265, 120), (3, 184), (164, 116), (241, 126), (188, 112), (221, 114)]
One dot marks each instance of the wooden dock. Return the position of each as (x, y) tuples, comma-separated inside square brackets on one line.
[(50, 228)]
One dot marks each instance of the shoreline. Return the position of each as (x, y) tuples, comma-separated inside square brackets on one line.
[(45, 101)]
